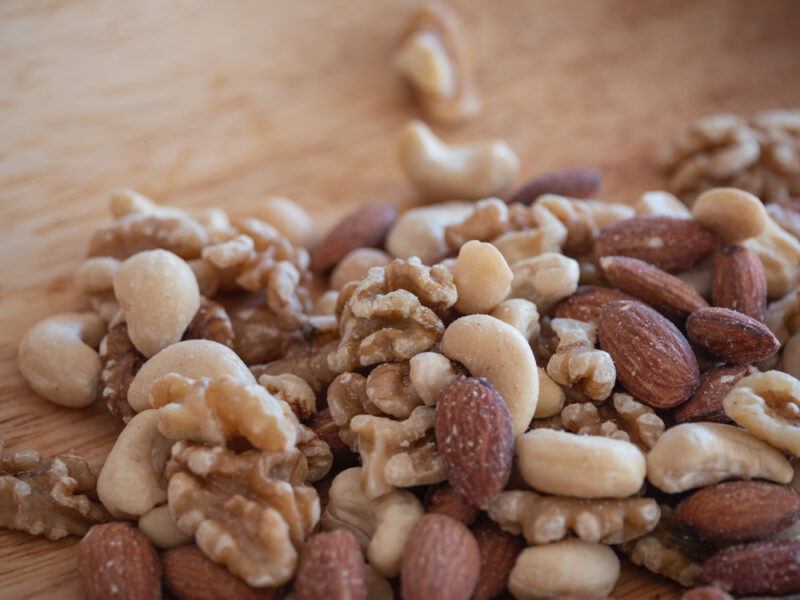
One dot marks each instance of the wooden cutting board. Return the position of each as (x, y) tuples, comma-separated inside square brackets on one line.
[(200, 103)]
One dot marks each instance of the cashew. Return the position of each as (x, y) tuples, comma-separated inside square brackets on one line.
[(467, 172), (521, 314), (325, 306), (545, 279), (381, 526), (420, 231), (159, 294), (733, 214), (693, 455), (207, 275), (59, 360), (661, 204), (482, 278), (430, 373), (130, 482), (128, 202), (288, 217), (160, 527), (564, 568), (779, 252), (192, 358), (356, 264), (489, 348), (96, 275), (551, 397)]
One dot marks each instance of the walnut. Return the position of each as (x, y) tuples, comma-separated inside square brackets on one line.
[(626, 419), (308, 359), (347, 398), (398, 453), (262, 336), (641, 422), (577, 363), (250, 511), (391, 314), (211, 322), (783, 316), (169, 229), (543, 519), (317, 452), (294, 391), (48, 497), (583, 418), (577, 217), (488, 220), (390, 389)]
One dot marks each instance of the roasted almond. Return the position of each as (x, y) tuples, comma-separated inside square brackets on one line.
[(706, 403), (499, 551), (331, 567), (441, 560), (670, 244), (442, 499), (706, 593), (654, 361), (739, 511), (577, 182), (365, 227), (586, 303), (191, 575), (475, 439), (738, 281), (664, 292), (760, 568), (116, 560), (731, 336)]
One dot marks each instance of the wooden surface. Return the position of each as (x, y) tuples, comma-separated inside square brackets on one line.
[(222, 103)]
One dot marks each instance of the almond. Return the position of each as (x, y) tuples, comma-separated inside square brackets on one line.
[(365, 227), (499, 551), (738, 281), (475, 439), (442, 499), (760, 568), (331, 567), (656, 287), (670, 244), (706, 403), (586, 303), (576, 182), (441, 560), (731, 336), (191, 575), (706, 593), (654, 361), (739, 511), (116, 560)]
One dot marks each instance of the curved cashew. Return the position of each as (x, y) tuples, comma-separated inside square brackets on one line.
[(733, 214), (381, 526), (159, 525), (420, 231), (521, 314), (693, 455), (489, 348), (482, 278), (59, 360), (467, 172), (130, 481), (192, 358), (159, 294), (551, 397), (582, 466), (430, 373)]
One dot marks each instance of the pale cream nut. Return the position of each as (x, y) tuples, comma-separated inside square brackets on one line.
[(430, 373), (694, 455), (545, 279), (661, 204), (482, 278), (783, 316), (96, 275), (489, 348), (790, 356), (58, 358), (294, 391), (551, 397), (159, 294), (583, 466), (577, 364), (779, 252), (420, 231), (734, 215), (286, 216), (564, 568), (356, 264), (325, 306), (521, 314), (207, 275), (160, 527), (488, 219)]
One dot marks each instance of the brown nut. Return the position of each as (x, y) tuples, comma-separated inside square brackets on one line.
[(762, 568), (576, 182), (738, 282), (731, 336), (331, 566)]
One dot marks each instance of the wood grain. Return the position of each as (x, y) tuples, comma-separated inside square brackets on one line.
[(221, 103)]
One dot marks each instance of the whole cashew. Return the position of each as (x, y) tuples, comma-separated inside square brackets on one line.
[(130, 480), (482, 278), (159, 294), (430, 373), (693, 455), (58, 358), (443, 172), (159, 525), (733, 214), (191, 358), (490, 348), (420, 231)]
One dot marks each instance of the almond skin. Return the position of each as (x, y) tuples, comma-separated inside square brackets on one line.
[(365, 227), (761, 568), (731, 336), (586, 303), (738, 281), (331, 567), (116, 560), (577, 182), (441, 560), (706, 593), (739, 511), (191, 575), (442, 499), (706, 403), (673, 245), (664, 292), (499, 551), (475, 438), (654, 361)]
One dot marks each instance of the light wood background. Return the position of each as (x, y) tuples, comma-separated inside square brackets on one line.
[(222, 103)]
